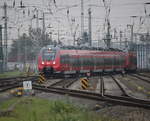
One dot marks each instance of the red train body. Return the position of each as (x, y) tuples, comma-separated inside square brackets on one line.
[(59, 60)]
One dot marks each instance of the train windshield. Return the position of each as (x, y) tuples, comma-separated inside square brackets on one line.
[(48, 55)]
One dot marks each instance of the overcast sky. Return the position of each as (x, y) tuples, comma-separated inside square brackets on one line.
[(120, 15)]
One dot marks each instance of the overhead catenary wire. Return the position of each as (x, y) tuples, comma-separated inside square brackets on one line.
[(58, 6)]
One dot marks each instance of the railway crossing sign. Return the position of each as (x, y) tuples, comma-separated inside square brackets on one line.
[(84, 83), (27, 85)]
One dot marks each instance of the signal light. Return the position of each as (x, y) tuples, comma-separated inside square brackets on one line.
[(49, 49)]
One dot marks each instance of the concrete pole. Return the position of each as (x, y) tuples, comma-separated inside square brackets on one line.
[(25, 56), (120, 39), (82, 19), (18, 53), (108, 38), (37, 19), (90, 27), (5, 37), (1, 51), (131, 27), (44, 38), (132, 33)]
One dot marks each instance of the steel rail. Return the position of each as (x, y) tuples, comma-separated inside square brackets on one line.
[(65, 83), (70, 83), (139, 77), (6, 84), (57, 83), (102, 90), (8, 87), (127, 101), (148, 76), (17, 77), (127, 95), (119, 85), (93, 96)]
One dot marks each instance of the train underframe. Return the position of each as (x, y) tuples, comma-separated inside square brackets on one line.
[(50, 72)]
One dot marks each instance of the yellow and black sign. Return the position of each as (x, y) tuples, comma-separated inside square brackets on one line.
[(42, 78), (18, 91), (84, 83)]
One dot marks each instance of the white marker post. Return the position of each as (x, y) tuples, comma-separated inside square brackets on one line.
[(27, 86)]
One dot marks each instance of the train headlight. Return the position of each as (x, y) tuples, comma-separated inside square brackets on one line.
[(54, 62), (42, 62)]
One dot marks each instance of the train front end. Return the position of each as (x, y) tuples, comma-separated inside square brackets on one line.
[(47, 61)]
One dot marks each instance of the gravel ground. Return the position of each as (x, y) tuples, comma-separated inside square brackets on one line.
[(141, 83), (135, 86), (50, 82), (77, 101), (76, 85), (124, 113), (93, 82), (111, 87)]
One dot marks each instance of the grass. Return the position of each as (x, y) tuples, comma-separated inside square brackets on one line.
[(12, 74), (35, 109)]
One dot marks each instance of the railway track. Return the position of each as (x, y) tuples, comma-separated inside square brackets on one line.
[(140, 88), (94, 96), (8, 87), (64, 83), (110, 86), (10, 83), (121, 86), (125, 99), (18, 78), (127, 94), (142, 77)]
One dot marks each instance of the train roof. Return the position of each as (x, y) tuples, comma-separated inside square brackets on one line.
[(80, 48)]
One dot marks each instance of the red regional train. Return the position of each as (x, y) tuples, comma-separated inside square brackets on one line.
[(71, 60)]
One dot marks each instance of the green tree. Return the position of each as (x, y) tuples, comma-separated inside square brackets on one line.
[(26, 46)]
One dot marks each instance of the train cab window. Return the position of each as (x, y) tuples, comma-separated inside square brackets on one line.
[(48, 55)]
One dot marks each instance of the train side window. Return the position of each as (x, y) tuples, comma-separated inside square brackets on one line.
[(61, 59), (107, 61), (74, 61), (96, 60), (66, 59), (79, 61), (92, 61), (99, 61), (85, 61), (117, 61)]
